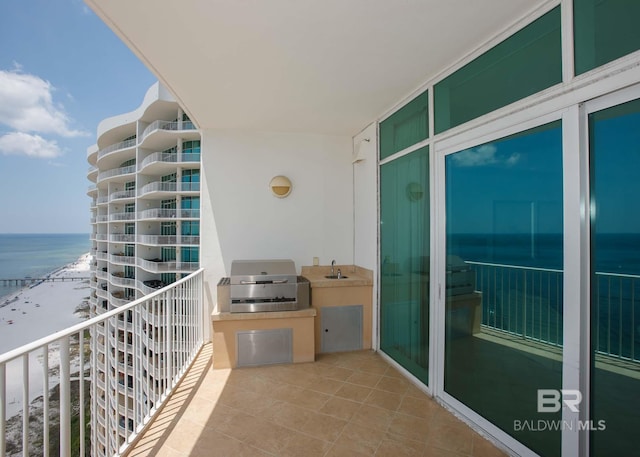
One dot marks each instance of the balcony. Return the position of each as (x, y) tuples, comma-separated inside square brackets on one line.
[(187, 128), (168, 188), (162, 213), (123, 194), (168, 240), (116, 147), (158, 266), (115, 172), (157, 160), (351, 403)]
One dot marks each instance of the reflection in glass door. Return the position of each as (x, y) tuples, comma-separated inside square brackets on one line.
[(504, 281), (614, 147)]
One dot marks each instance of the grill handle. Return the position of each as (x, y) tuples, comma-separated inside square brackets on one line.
[(278, 281)]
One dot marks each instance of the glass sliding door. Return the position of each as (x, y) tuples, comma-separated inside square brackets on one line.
[(404, 253), (504, 281), (614, 147)]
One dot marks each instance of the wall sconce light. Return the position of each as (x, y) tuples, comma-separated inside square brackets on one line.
[(414, 191), (280, 186)]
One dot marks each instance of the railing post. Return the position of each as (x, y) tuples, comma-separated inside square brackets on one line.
[(25, 405), (3, 407), (524, 306), (65, 399)]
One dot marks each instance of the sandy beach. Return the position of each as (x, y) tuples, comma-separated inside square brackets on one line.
[(35, 312)]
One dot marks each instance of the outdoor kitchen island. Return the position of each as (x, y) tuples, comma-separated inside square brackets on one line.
[(344, 307), (339, 319)]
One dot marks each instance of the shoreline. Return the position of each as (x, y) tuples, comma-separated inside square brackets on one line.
[(34, 312), (43, 308)]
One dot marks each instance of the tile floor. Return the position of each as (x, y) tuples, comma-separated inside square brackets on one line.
[(349, 404)]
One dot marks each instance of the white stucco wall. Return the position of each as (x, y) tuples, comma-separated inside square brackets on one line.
[(365, 192), (240, 217)]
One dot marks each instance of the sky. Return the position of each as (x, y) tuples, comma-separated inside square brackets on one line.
[(62, 71)]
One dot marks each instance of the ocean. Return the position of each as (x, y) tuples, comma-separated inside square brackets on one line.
[(36, 255)]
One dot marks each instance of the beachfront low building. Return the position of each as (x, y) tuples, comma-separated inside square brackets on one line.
[(145, 235)]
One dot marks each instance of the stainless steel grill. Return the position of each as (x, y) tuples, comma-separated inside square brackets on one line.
[(263, 285)]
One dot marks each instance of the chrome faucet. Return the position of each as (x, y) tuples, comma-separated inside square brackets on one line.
[(333, 263)]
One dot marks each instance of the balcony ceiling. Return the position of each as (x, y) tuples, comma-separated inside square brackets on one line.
[(328, 66)]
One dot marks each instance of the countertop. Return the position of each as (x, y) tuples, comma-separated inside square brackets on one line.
[(305, 312), (355, 276)]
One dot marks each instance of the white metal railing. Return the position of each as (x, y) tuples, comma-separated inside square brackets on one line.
[(122, 259), (122, 238), (162, 267), (159, 186), (168, 157), (66, 359), (117, 172), (122, 194), (163, 213), (527, 301), (158, 240), (116, 147), (122, 281), (122, 216), (102, 200), (167, 125), (92, 188), (102, 218)]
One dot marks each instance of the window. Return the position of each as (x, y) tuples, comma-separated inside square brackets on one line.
[(190, 255), (168, 254), (190, 180), (130, 208), (191, 228), (525, 63), (168, 204), (173, 177), (404, 250), (168, 228), (407, 126), (604, 30)]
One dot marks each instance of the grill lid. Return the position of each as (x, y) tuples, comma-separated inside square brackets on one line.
[(263, 271)]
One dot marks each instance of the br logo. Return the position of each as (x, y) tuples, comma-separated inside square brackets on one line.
[(551, 400)]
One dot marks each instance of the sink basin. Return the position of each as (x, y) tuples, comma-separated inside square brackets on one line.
[(335, 277)]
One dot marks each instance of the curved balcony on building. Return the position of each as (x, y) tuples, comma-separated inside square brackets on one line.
[(163, 213), (114, 173), (158, 266), (92, 173), (103, 199), (121, 259), (127, 216), (92, 190), (160, 189), (122, 195), (122, 150), (160, 132), (168, 240), (159, 162), (122, 238), (118, 279)]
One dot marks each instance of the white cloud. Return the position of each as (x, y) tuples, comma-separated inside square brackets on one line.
[(483, 155), (26, 105), (19, 143)]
